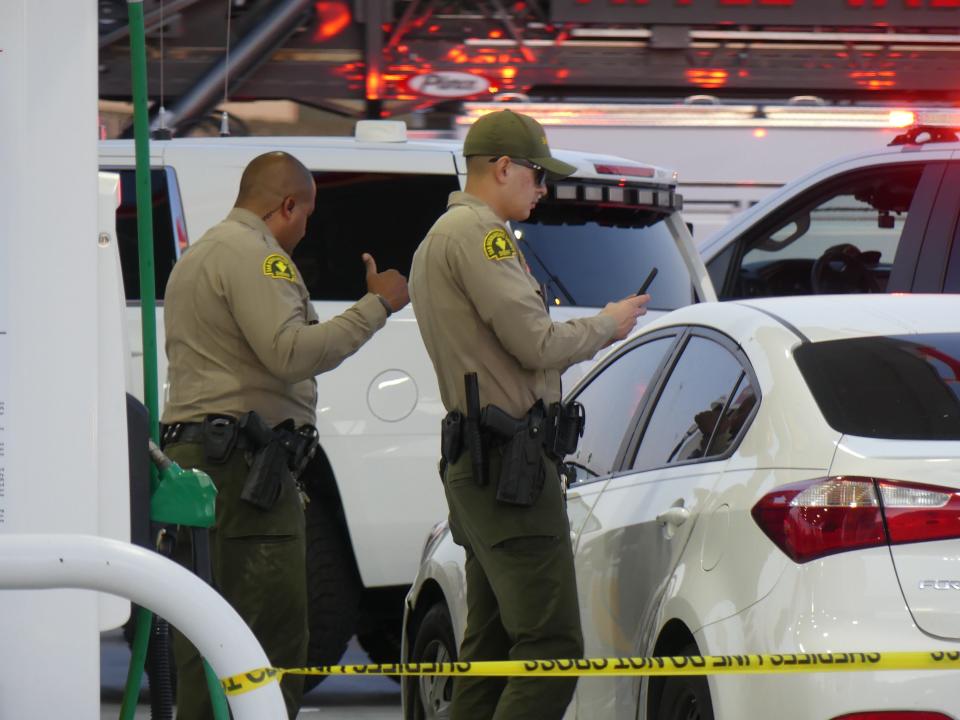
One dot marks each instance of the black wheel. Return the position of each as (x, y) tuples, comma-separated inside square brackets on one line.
[(685, 698), (430, 696), (333, 588)]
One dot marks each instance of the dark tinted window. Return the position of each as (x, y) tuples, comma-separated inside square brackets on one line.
[(164, 240), (611, 400), (887, 387), (384, 214), (839, 237), (690, 405), (591, 264)]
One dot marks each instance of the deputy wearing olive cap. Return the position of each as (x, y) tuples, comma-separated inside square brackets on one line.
[(479, 310)]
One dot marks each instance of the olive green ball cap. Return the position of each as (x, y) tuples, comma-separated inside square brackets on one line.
[(520, 136)]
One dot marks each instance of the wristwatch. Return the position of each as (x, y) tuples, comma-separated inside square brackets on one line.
[(386, 305)]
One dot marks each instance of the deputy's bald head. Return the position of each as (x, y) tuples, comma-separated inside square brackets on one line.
[(271, 177)]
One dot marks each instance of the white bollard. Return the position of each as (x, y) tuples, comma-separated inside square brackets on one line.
[(32, 562)]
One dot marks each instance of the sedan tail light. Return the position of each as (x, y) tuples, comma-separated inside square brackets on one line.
[(813, 518)]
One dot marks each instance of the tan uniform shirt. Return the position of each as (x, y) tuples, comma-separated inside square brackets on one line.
[(241, 331), (480, 310)]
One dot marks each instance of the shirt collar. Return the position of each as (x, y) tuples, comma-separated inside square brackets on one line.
[(252, 221), (460, 197)]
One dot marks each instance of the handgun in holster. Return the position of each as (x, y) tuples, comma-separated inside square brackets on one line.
[(522, 469), (269, 469), (300, 443)]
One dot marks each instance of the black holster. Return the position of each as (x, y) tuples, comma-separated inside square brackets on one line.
[(219, 435), (564, 428), (451, 436), (280, 455), (523, 466)]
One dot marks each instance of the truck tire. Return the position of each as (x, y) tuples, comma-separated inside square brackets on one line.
[(380, 629), (382, 645), (333, 588)]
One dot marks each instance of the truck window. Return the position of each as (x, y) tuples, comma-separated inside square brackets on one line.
[(839, 237), (384, 214), (164, 240), (589, 254)]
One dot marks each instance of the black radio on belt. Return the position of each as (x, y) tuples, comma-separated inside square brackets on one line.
[(566, 423)]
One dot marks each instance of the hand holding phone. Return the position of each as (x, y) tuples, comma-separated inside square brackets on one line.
[(646, 283)]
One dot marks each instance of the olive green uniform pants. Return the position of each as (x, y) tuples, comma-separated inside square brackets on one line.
[(521, 594), (259, 561)]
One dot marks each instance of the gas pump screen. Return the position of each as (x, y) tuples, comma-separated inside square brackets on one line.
[(800, 13)]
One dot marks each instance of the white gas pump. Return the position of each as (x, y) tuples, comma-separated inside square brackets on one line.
[(64, 505), (48, 349)]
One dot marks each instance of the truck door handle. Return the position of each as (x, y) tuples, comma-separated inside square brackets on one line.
[(675, 516)]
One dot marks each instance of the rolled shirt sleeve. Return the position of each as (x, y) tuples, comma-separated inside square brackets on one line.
[(274, 314)]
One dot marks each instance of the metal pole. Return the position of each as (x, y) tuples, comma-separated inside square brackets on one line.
[(373, 57), (148, 310), (243, 56), (148, 290)]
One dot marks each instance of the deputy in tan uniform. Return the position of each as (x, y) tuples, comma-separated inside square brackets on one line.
[(241, 336), (479, 310)]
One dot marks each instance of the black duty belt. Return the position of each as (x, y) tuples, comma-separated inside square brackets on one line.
[(192, 432)]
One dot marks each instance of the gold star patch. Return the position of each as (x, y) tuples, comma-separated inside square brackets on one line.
[(277, 266), (497, 246)]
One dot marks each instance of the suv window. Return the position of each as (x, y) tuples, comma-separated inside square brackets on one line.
[(384, 214), (611, 401), (898, 387), (690, 405), (589, 264), (839, 237), (164, 240)]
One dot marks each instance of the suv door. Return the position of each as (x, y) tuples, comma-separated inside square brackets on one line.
[(856, 231)]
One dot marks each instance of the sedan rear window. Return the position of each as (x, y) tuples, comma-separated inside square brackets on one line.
[(897, 387)]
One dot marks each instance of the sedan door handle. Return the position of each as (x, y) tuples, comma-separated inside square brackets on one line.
[(675, 516)]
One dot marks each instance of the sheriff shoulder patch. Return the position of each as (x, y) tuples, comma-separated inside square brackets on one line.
[(277, 266), (497, 246)]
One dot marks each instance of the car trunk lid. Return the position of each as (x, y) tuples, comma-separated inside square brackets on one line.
[(919, 482)]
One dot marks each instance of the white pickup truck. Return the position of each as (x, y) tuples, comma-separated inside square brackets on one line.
[(593, 238)]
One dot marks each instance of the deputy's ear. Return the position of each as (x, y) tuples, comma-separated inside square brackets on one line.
[(500, 168)]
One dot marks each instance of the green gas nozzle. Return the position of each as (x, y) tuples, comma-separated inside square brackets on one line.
[(182, 497)]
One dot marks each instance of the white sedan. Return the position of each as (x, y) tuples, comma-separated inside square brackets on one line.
[(767, 476)]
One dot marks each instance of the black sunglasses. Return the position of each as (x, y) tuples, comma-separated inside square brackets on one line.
[(539, 172)]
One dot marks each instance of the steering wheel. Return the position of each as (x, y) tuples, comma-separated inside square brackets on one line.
[(844, 269)]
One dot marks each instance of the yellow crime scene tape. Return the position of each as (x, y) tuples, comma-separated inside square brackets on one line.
[(695, 665)]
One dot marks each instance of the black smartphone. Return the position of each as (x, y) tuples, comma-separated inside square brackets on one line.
[(646, 283)]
